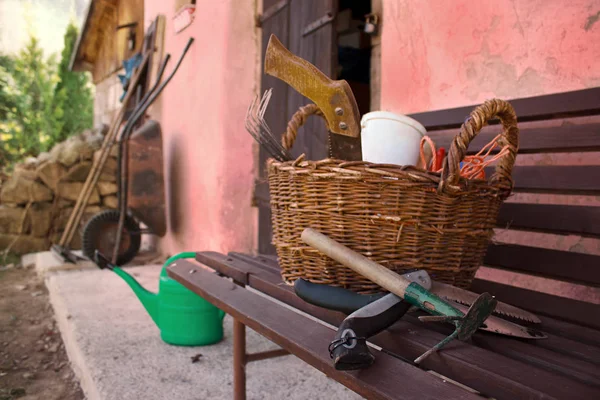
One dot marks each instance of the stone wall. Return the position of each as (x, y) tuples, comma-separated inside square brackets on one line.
[(36, 201)]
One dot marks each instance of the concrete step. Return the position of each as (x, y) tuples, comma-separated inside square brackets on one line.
[(117, 353)]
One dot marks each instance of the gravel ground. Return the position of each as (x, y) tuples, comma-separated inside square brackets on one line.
[(33, 361)]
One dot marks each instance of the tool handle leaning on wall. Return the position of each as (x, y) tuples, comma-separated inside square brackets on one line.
[(155, 92)]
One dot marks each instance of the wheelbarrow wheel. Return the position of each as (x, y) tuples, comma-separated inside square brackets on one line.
[(100, 233)]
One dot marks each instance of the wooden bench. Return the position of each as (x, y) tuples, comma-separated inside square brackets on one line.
[(566, 365)]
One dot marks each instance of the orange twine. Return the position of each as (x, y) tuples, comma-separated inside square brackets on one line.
[(473, 166)]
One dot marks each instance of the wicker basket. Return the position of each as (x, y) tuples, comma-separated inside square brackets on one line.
[(401, 217)]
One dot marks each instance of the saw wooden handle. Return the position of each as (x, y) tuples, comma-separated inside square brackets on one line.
[(334, 98)]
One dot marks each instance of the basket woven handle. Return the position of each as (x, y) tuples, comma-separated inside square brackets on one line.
[(297, 120), (471, 127)]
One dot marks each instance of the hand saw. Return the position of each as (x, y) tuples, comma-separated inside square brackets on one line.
[(344, 300), (329, 299)]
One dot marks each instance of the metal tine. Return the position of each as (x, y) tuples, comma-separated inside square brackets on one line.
[(260, 131), (253, 128), (264, 102), (262, 109), (264, 132)]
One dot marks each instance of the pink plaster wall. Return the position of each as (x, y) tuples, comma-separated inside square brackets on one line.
[(444, 54), (440, 54), (209, 159)]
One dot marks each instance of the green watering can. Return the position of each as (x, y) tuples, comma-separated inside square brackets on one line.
[(183, 317)]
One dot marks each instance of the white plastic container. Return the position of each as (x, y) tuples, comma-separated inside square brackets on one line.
[(389, 138)]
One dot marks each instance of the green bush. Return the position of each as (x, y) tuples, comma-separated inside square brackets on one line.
[(41, 101)]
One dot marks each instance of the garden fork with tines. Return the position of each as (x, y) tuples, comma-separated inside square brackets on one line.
[(260, 131)]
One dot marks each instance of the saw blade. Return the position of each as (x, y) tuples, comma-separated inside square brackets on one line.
[(504, 327), (467, 298)]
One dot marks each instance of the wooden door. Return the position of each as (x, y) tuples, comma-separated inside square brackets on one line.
[(307, 29)]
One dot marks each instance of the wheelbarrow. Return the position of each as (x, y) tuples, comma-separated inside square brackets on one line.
[(141, 188), (141, 199)]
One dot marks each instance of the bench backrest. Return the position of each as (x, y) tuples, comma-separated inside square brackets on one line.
[(569, 190)]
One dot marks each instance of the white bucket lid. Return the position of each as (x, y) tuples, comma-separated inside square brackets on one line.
[(393, 117)]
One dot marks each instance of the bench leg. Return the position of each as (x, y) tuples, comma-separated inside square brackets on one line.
[(239, 360)]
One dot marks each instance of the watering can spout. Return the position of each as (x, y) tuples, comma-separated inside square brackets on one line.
[(149, 300)]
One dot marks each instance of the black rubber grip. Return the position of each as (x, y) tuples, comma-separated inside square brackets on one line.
[(332, 297)]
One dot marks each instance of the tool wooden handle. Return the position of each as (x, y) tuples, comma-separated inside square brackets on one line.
[(357, 262), (400, 286), (334, 98)]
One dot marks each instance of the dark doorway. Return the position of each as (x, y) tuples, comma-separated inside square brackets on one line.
[(354, 50)]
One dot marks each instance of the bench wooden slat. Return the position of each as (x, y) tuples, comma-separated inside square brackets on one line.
[(517, 261), (570, 346), (549, 356), (218, 262), (577, 220), (564, 335), (565, 344), (559, 105), (571, 310), (261, 261), (307, 339), (472, 366), (555, 179), (556, 139), (582, 334), (554, 354), (558, 264), (228, 264), (468, 365), (583, 339), (535, 179)]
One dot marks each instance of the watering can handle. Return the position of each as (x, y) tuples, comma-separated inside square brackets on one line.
[(185, 254), (190, 254)]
